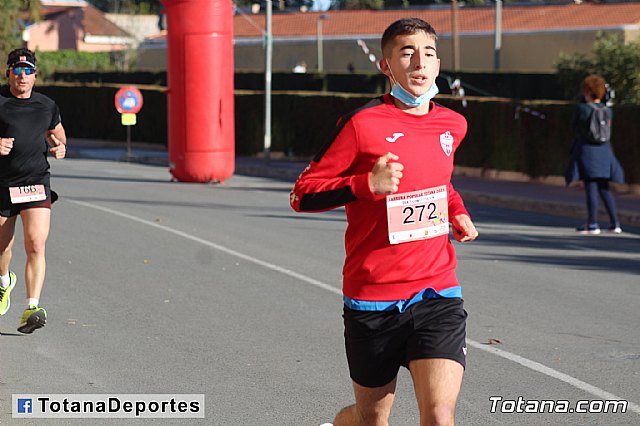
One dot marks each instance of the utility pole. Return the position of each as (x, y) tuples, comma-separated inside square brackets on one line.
[(455, 51), (498, 37), (319, 39), (267, 81)]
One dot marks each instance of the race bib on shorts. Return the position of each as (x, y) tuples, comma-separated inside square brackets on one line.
[(27, 194), (417, 215)]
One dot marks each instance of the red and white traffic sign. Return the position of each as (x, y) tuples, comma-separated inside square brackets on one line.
[(128, 100)]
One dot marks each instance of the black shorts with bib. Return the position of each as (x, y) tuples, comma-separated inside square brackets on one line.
[(9, 209)]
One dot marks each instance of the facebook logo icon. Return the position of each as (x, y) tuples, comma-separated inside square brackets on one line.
[(24, 405)]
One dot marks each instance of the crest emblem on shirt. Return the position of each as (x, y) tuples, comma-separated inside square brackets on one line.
[(446, 142), (394, 137)]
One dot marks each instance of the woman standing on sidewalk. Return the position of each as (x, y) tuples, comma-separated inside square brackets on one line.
[(593, 161)]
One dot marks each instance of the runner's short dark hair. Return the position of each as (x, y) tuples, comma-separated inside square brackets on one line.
[(406, 26)]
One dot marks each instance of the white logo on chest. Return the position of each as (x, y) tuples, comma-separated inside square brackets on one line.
[(395, 137), (446, 142)]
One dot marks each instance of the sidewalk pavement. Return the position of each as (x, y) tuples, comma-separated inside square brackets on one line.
[(555, 199)]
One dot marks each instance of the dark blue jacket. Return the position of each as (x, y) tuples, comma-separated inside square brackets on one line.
[(588, 160)]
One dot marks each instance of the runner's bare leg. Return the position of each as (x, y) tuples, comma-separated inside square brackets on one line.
[(437, 383), (36, 224), (372, 407), (7, 230)]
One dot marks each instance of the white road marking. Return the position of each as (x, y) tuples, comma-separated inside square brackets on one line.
[(207, 243), (575, 247), (533, 365), (524, 237), (541, 368)]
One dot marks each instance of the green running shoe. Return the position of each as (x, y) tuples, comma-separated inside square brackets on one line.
[(5, 299), (33, 318)]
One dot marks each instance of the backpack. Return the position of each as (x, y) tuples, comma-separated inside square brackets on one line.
[(599, 125)]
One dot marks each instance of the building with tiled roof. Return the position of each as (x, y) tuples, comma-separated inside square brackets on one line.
[(76, 25), (532, 37), (139, 26), (472, 20)]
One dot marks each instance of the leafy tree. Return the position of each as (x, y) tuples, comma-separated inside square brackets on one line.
[(616, 61), (10, 28), (32, 9), (13, 19)]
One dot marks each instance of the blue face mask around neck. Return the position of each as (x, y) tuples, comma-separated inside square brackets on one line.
[(401, 94)]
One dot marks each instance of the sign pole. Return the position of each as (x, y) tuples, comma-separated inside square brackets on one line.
[(129, 156), (128, 102)]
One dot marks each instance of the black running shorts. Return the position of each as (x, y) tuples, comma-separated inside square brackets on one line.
[(378, 343), (8, 209)]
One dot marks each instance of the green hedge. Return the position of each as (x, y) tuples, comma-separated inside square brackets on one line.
[(67, 59), (530, 137)]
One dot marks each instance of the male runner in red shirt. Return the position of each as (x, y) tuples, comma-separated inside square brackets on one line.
[(390, 164)]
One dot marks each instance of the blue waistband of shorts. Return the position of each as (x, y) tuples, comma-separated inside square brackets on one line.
[(401, 305)]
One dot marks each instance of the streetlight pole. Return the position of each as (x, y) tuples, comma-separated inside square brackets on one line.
[(319, 41), (455, 51), (267, 81), (498, 37)]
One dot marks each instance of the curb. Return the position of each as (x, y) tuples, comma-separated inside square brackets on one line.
[(268, 172), (291, 171), (555, 208)]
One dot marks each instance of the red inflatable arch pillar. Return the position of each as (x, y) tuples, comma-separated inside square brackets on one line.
[(200, 89)]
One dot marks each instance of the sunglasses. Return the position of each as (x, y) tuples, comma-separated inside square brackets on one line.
[(27, 70)]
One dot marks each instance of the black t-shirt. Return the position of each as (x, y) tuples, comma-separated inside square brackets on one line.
[(26, 120)]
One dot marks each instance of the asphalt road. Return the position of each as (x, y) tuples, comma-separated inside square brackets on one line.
[(160, 287)]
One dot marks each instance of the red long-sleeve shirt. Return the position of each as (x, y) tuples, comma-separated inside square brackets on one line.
[(374, 269)]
